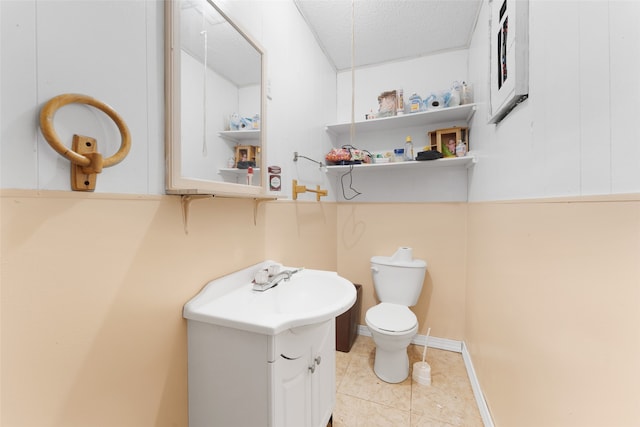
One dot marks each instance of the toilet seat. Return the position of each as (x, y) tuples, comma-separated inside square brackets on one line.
[(391, 318)]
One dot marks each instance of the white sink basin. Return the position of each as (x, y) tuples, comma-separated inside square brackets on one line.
[(310, 296)]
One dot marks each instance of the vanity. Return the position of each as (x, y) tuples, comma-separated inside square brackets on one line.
[(265, 358)]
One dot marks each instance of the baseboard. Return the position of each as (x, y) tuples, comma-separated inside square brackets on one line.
[(458, 347), (475, 386), (434, 342)]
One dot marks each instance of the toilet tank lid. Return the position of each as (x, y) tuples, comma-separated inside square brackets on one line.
[(386, 260)]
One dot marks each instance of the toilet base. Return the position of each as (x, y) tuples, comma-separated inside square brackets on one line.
[(391, 366)]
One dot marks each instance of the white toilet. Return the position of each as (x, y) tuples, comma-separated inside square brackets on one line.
[(398, 282)]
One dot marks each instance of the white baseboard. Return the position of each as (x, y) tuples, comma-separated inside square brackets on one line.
[(434, 342), (458, 347), (475, 386)]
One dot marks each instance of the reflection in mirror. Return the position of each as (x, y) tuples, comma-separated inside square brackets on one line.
[(215, 101)]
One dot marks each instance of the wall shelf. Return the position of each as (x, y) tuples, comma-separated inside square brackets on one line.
[(466, 161), (256, 171), (239, 136), (451, 114)]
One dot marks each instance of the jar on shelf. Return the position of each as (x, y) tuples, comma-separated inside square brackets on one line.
[(275, 183)]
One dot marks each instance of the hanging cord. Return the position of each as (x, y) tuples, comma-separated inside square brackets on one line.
[(204, 83), (357, 193), (352, 129), (351, 149)]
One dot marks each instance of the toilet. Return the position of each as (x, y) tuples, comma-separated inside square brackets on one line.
[(398, 282)]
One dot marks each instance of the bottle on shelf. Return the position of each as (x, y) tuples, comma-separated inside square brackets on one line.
[(408, 149), (466, 94), (415, 103), (400, 103)]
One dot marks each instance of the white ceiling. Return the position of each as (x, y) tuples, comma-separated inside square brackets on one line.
[(389, 30)]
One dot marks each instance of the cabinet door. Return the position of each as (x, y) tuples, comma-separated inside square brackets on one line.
[(292, 398), (323, 380), (304, 376)]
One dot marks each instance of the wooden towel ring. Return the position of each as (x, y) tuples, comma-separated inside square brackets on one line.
[(89, 162)]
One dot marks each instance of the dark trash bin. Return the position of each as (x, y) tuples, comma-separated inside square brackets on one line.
[(347, 324)]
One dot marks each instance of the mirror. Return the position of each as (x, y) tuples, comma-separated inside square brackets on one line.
[(214, 90)]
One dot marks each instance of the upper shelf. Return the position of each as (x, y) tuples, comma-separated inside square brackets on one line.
[(459, 113), (240, 135)]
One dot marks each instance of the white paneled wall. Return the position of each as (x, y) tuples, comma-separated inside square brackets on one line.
[(577, 134), (421, 75), (111, 51)]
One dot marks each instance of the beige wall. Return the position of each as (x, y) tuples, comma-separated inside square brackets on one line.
[(301, 234), (92, 293), (435, 231), (344, 237), (553, 311), (545, 294)]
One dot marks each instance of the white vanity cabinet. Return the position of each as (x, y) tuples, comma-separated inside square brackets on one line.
[(245, 379), (265, 358)]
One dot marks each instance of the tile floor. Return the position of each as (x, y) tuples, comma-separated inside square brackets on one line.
[(365, 400)]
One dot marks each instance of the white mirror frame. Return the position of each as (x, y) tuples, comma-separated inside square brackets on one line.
[(175, 180)]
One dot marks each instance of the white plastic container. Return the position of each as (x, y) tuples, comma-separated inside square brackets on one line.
[(422, 373)]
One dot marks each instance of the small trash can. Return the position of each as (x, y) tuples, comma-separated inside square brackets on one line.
[(347, 324)]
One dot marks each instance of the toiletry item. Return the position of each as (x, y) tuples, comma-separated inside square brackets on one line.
[(454, 98), (461, 149), (415, 103), (408, 149), (400, 101), (234, 121), (256, 122), (274, 178), (466, 94), (249, 175), (398, 155), (435, 101), (231, 162)]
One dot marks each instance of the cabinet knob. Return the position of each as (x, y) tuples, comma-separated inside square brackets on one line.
[(318, 360), (312, 368)]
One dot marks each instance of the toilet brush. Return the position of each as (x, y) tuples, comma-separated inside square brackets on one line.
[(422, 370)]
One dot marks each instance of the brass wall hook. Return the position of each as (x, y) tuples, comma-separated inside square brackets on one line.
[(299, 189)]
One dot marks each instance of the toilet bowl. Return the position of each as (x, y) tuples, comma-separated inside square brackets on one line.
[(398, 282), (392, 327)]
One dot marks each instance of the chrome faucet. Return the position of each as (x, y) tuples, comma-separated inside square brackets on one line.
[(272, 280)]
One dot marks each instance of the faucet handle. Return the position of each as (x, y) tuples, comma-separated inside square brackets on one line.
[(262, 277), (273, 269)]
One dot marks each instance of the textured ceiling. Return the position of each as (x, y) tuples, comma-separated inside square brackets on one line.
[(388, 30)]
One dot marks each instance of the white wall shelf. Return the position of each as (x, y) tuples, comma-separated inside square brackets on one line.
[(451, 114), (256, 171), (466, 161), (239, 136)]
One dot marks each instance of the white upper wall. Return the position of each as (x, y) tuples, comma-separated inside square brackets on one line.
[(422, 75), (113, 51), (577, 133)]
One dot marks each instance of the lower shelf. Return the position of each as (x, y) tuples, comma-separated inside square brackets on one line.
[(238, 171), (467, 161)]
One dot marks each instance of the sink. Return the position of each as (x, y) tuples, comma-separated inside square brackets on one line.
[(308, 297)]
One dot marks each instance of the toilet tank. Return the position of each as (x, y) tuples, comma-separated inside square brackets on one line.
[(398, 279)]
